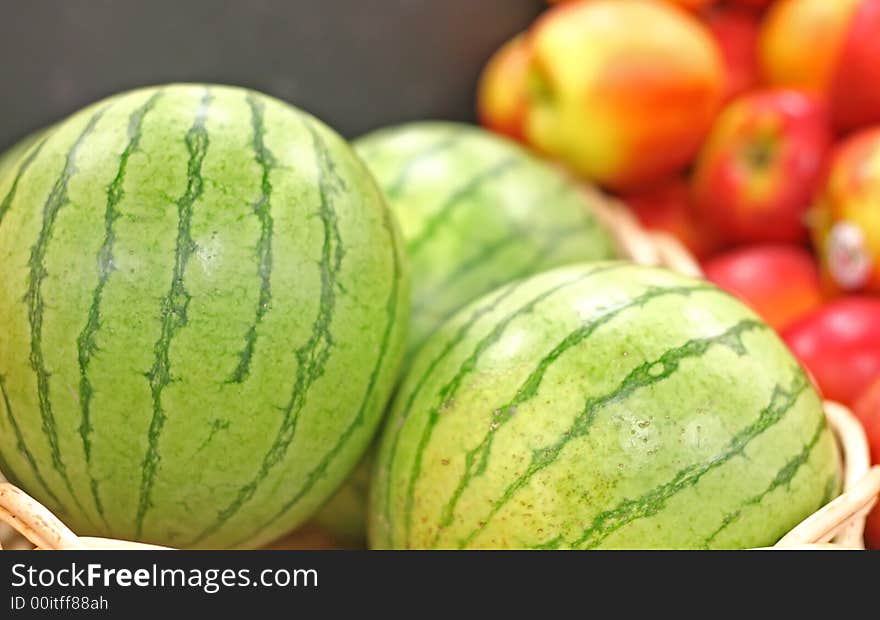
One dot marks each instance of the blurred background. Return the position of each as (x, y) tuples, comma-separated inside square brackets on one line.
[(357, 64)]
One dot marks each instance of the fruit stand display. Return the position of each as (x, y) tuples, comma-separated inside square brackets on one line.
[(637, 308)]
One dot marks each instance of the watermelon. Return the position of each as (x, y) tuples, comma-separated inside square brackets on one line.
[(477, 211), (606, 405), (203, 305)]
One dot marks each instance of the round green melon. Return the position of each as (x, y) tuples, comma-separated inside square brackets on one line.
[(602, 406), (477, 211), (203, 302)]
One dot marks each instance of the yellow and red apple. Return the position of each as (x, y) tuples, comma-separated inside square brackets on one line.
[(846, 220), (623, 91), (763, 161), (780, 282), (502, 96), (830, 47)]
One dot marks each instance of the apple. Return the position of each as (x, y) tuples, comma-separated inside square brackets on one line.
[(829, 47), (761, 165), (840, 345), (736, 32), (622, 91), (867, 409), (666, 206), (846, 219), (779, 282), (502, 95)]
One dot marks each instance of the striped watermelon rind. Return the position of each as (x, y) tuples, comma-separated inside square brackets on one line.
[(602, 406), (477, 211), (203, 305)]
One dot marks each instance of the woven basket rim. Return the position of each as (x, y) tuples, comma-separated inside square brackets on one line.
[(837, 525)]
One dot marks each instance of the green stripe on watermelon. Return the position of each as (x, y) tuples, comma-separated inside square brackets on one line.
[(313, 354), (392, 321), (22, 447), (57, 200), (783, 478), (468, 189), (645, 375), (492, 251), (489, 305), (86, 341), (782, 401), (263, 211), (650, 432), (395, 187), (10, 160), (174, 305), (477, 211), (477, 458), (460, 333), (448, 392)]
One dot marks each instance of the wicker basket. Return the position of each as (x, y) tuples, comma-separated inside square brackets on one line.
[(838, 525)]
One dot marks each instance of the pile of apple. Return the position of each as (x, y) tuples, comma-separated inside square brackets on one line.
[(750, 129)]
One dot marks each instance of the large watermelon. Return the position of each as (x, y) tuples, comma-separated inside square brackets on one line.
[(602, 406), (202, 312), (477, 211)]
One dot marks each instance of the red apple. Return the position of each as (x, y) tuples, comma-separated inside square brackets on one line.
[(867, 409), (779, 282), (736, 32), (758, 171), (840, 345), (667, 207), (855, 86)]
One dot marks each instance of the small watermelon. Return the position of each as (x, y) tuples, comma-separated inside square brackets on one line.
[(602, 406), (477, 211), (202, 312)]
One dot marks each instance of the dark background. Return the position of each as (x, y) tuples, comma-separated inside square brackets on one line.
[(357, 64)]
